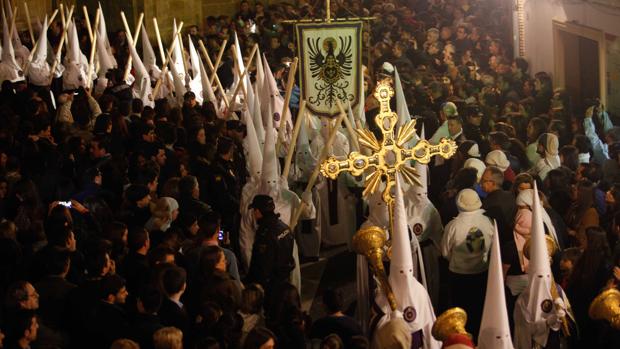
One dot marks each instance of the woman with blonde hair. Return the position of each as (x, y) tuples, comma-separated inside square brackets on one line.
[(164, 211), (168, 338)]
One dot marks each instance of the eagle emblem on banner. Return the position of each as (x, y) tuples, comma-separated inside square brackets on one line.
[(330, 65)]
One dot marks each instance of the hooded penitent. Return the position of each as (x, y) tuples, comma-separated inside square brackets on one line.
[(195, 84), (21, 52), (148, 55), (257, 118), (9, 70), (495, 328), (535, 304), (142, 85), (304, 159), (177, 68), (76, 64), (105, 57), (39, 70), (412, 299), (251, 148)]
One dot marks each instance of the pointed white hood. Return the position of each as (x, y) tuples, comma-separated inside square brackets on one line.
[(377, 210), (9, 70), (258, 119), (412, 298), (207, 90), (251, 148), (270, 174), (142, 85), (20, 52), (260, 70), (76, 63), (401, 102), (246, 80), (148, 55), (304, 159), (539, 272), (195, 84), (105, 57), (495, 328), (177, 54), (39, 70)]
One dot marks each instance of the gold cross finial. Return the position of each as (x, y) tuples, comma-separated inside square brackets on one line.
[(390, 155)]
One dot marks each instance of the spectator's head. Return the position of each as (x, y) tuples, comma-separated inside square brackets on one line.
[(189, 188), (212, 260), (333, 300), (138, 195), (569, 157), (162, 254), (225, 148), (138, 240), (332, 341), (455, 126), (62, 237), (492, 179), (174, 281), (113, 289), (168, 338), (569, 259), (467, 200), (260, 338), (99, 147), (124, 343), (252, 298), (22, 295), (209, 225), (498, 159), (523, 181), (22, 327), (149, 300), (263, 206), (499, 140), (58, 262)]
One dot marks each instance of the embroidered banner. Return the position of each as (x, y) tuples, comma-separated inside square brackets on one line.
[(330, 65)]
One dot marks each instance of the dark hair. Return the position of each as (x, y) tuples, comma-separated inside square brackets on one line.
[(21, 321), (209, 224), (59, 237), (159, 253), (137, 238), (209, 257), (187, 185), (571, 157), (540, 126), (465, 178), (111, 285), (257, 337), (58, 259), (572, 254), (595, 258), (224, 145), (151, 298), (583, 144), (103, 142), (333, 300), (16, 293), (173, 279), (500, 138)]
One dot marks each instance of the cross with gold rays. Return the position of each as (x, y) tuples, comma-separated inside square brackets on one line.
[(389, 156)]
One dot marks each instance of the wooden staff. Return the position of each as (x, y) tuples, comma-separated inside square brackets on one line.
[(62, 41), (134, 40), (315, 173), (164, 69), (203, 49), (12, 29), (93, 49), (28, 22), (241, 78), (183, 56), (291, 149), (88, 27), (162, 54), (290, 81), (218, 60), (347, 124)]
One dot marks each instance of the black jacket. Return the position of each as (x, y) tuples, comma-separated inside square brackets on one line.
[(272, 253)]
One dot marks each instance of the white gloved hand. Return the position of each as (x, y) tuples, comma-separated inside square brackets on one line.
[(554, 322), (560, 307)]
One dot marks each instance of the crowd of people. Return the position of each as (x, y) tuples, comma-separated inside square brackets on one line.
[(122, 225)]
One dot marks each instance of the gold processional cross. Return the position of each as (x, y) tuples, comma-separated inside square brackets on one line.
[(390, 155)]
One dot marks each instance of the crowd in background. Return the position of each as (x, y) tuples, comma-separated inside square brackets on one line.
[(118, 228)]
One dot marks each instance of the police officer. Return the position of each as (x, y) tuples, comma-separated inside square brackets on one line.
[(272, 253), (225, 190), (236, 131)]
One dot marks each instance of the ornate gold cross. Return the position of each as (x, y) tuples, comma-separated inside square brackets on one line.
[(390, 155)]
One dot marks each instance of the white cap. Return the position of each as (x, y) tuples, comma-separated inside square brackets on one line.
[(305, 160), (477, 164), (467, 200), (495, 328), (498, 159)]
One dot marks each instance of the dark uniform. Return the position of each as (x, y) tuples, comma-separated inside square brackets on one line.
[(272, 252)]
